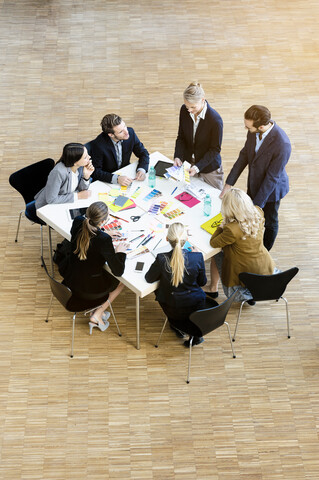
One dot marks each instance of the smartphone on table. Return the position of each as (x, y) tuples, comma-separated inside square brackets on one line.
[(139, 267)]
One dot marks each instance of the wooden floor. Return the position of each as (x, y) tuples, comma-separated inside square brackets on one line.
[(113, 412)]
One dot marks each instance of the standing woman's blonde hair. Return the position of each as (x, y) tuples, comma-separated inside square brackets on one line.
[(96, 214), (194, 93), (237, 206), (177, 236)]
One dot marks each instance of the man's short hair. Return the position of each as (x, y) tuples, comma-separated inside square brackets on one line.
[(259, 114), (110, 121)]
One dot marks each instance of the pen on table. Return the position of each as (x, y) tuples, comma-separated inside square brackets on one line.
[(141, 243), (119, 218), (157, 244), (137, 237), (174, 190), (147, 240)]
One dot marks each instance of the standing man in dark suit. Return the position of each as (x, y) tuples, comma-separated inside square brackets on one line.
[(266, 152), (112, 149)]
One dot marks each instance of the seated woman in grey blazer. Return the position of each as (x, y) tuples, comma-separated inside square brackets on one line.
[(70, 178)]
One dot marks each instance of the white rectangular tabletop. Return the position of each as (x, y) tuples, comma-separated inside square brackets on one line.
[(57, 216)]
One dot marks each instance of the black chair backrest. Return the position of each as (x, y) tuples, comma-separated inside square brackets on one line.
[(88, 146), (209, 319), (61, 292), (31, 179), (268, 287)]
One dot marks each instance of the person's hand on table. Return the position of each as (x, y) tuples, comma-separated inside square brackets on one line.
[(192, 171), (122, 247), (194, 249), (224, 190), (123, 180), (84, 194), (114, 234), (140, 176), (88, 170), (178, 162)]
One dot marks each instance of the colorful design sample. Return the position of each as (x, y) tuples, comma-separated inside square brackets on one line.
[(173, 214), (153, 194)]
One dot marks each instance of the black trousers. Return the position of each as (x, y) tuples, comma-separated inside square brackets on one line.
[(271, 223)]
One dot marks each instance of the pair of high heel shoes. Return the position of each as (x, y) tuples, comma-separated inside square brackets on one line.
[(102, 326)]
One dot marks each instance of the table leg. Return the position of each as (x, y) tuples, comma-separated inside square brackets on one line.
[(50, 250), (137, 322)]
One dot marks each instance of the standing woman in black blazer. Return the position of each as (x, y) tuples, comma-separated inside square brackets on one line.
[(199, 138), (181, 274), (85, 273)]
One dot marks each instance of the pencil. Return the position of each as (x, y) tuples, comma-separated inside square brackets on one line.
[(119, 218), (157, 244)]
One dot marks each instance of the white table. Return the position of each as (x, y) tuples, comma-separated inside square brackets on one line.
[(57, 217)]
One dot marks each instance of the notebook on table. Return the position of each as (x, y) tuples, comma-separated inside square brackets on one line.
[(211, 225)]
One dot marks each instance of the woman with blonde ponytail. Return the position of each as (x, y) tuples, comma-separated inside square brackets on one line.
[(85, 273), (181, 274), (199, 138)]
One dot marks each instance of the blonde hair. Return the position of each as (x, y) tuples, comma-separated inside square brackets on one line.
[(194, 93), (237, 206), (96, 214), (177, 236)]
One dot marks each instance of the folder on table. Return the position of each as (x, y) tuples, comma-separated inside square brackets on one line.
[(211, 224)]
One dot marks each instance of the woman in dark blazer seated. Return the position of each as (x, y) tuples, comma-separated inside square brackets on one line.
[(85, 274), (181, 274), (199, 138)]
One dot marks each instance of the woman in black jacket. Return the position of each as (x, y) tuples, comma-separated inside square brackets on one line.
[(91, 248), (181, 274)]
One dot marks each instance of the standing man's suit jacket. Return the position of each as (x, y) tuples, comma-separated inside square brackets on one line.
[(267, 177), (208, 140), (104, 156)]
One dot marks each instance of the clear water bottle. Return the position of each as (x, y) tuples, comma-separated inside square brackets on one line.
[(152, 177), (207, 205)]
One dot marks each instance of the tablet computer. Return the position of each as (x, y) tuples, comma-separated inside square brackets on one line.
[(75, 212), (160, 168)]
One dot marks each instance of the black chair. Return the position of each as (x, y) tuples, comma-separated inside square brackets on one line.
[(267, 287), (207, 320), (72, 303), (88, 146), (28, 181)]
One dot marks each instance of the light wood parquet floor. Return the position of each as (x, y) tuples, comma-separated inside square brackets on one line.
[(113, 412)]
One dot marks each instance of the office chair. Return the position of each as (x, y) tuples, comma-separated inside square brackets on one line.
[(72, 303), (207, 320), (28, 182), (267, 287)]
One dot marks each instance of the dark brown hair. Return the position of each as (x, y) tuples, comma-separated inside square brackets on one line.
[(110, 121), (259, 115)]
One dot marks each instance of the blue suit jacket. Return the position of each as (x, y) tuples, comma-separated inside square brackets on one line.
[(189, 290), (267, 177), (208, 140), (104, 156)]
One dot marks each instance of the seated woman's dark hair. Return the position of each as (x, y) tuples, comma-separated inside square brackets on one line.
[(72, 152), (96, 215)]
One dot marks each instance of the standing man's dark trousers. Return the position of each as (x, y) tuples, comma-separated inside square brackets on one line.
[(271, 223)]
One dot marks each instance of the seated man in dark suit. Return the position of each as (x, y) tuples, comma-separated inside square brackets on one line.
[(112, 149)]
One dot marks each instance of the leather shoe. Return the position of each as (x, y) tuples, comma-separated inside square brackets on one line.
[(196, 341), (212, 294)]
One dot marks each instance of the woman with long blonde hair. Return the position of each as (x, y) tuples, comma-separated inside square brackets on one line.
[(241, 238), (181, 273), (85, 273)]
